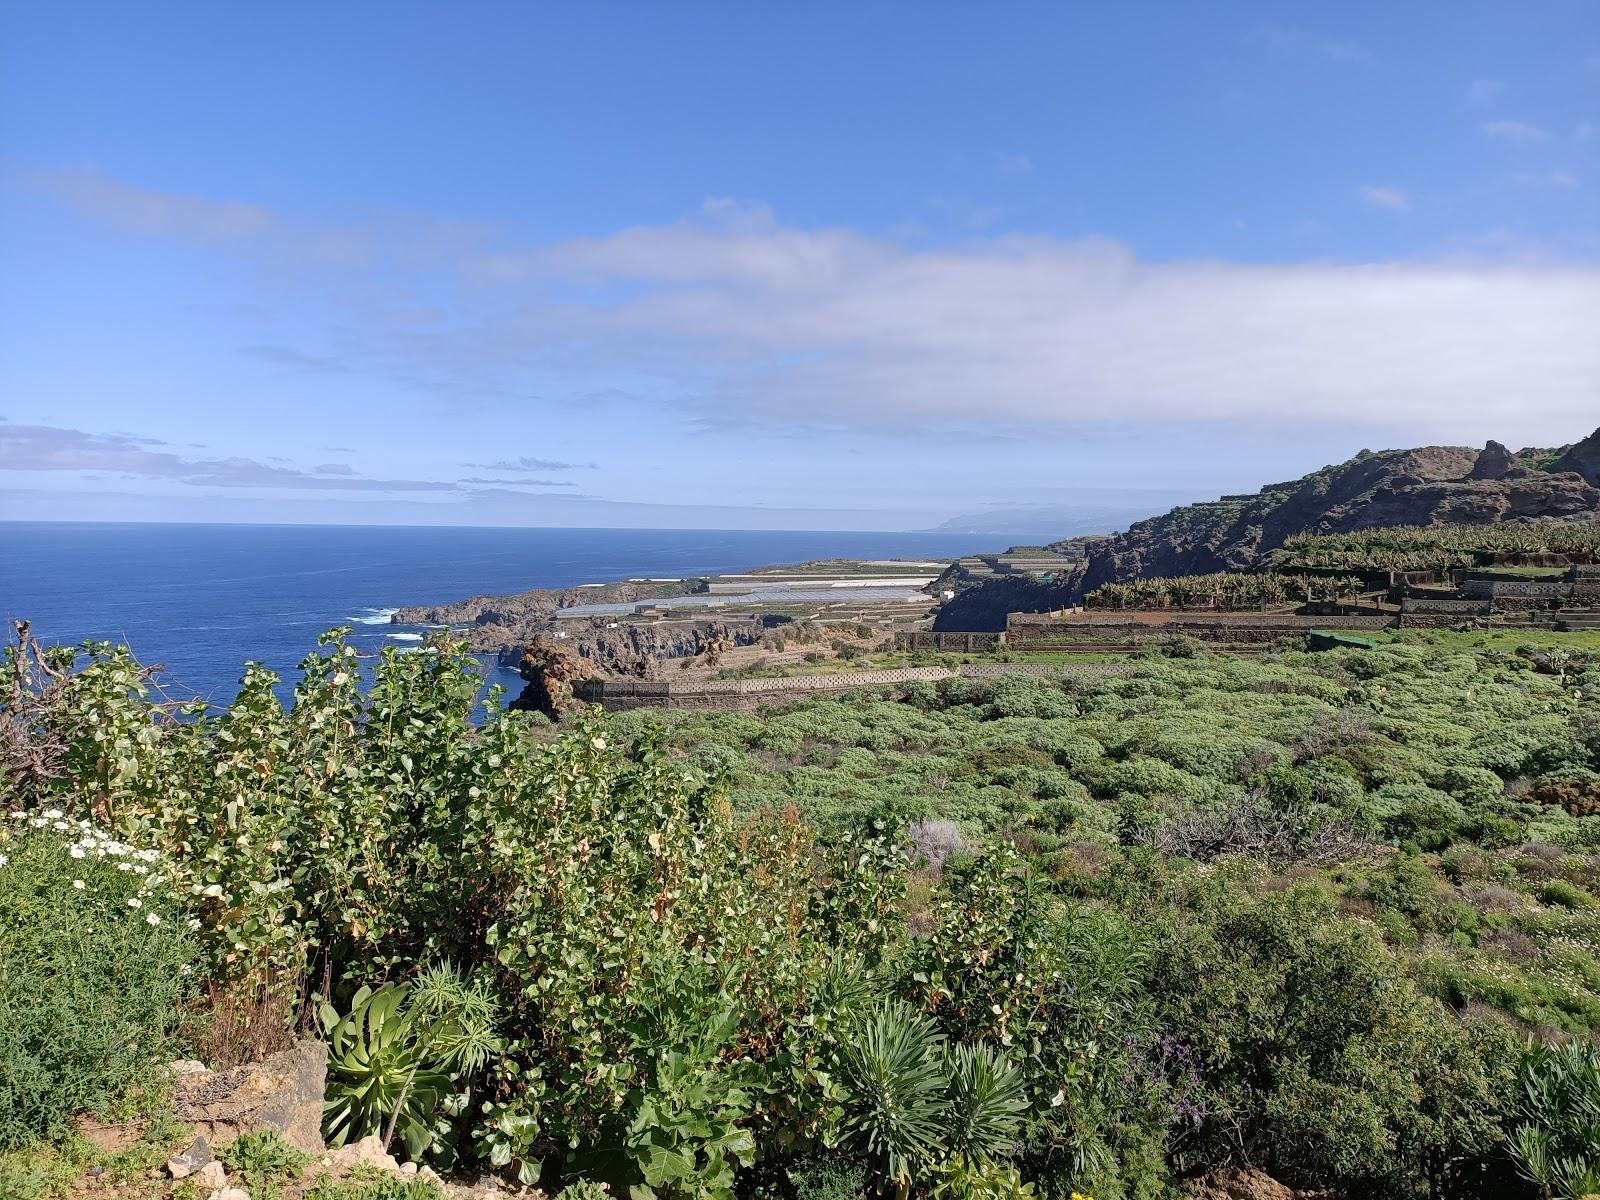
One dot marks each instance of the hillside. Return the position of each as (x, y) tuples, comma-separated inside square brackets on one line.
[(1431, 485)]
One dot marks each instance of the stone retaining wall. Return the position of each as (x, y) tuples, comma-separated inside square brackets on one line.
[(1437, 620), (1237, 628), (751, 695)]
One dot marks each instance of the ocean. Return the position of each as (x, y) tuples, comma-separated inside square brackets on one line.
[(201, 600)]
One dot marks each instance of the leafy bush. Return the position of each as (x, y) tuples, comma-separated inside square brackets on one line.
[(1317, 1054), (690, 959), (913, 1102)]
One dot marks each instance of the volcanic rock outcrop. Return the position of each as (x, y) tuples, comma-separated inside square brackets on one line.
[(1495, 462), (1582, 459), (549, 668)]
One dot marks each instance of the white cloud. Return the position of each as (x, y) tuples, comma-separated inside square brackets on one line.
[(1516, 131), (733, 313), (1390, 198)]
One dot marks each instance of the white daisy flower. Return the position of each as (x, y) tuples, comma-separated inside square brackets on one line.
[(78, 883), (152, 919), (135, 902)]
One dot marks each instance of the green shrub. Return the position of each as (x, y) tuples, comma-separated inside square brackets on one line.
[(261, 1157), (895, 1086), (94, 971), (383, 1187), (828, 1177), (1313, 1046), (1567, 895)]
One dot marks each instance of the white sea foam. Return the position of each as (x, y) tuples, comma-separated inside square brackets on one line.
[(375, 616), (406, 637)]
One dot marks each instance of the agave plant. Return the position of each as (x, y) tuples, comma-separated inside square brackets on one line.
[(398, 1061)]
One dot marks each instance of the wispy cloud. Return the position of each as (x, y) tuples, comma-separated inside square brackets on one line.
[(1519, 132), (1390, 198), (51, 448), (1013, 164), (1305, 42), (1544, 179), (299, 360), (478, 480), (526, 463), (169, 214), (1485, 93)]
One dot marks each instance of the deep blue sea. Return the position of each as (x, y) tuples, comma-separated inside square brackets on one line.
[(201, 600)]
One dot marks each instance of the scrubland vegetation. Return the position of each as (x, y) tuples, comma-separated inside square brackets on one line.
[(1335, 915)]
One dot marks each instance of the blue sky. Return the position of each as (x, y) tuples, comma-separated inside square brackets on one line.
[(860, 265)]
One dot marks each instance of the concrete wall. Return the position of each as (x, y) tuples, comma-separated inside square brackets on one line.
[(1479, 608), (1485, 589)]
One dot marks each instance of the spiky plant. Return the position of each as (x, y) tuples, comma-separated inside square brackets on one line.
[(984, 1103), (403, 1054), (896, 1085), (1556, 1141)]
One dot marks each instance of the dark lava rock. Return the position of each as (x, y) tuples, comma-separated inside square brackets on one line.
[(1496, 462), (1583, 459)]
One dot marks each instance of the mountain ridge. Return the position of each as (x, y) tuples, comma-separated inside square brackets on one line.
[(1427, 485)]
